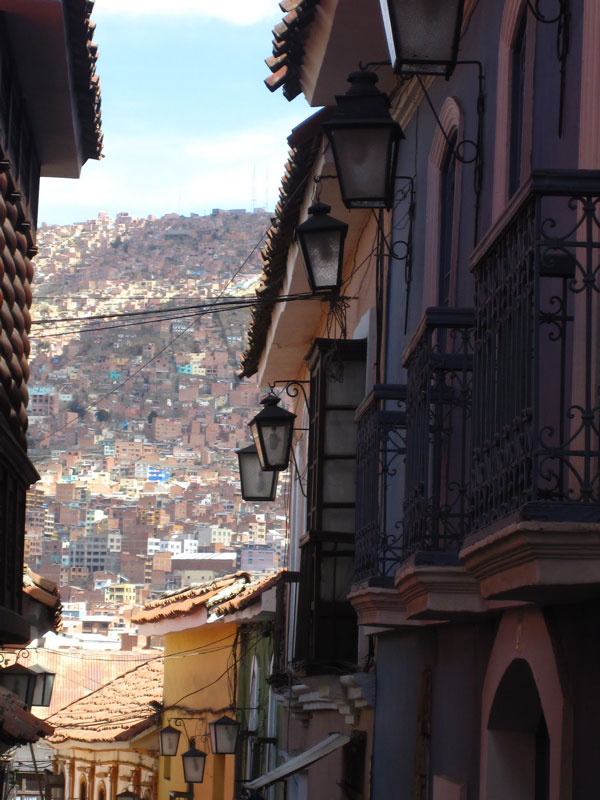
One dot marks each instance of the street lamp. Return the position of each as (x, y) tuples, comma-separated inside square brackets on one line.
[(423, 35), (321, 240), (364, 143), (21, 681), (272, 430), (169, 741), (194, 761), (255, 482), (224, 735)]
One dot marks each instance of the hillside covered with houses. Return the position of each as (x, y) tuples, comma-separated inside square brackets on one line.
[(135, 412)]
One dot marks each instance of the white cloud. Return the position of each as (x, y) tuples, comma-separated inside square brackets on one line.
[(184, 175), (236, 12)]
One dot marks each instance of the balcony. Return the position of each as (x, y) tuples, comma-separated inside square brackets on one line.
[(535, 487), (16, 475), (380, 452), (439, 364)]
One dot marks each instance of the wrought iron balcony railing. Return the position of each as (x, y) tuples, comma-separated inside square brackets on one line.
[(439, 364), (536, 405), (380, 449)]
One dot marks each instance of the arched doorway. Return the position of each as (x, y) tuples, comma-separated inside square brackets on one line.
[(518, 745)]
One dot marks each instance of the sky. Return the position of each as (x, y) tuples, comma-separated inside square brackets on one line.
[(188, 123)]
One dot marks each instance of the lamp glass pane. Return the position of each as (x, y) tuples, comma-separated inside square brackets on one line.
[(193, 766), (275, 437), (323, 253), (169, 741), (422, 30), (362, 163), (256, 483), (223, 735)]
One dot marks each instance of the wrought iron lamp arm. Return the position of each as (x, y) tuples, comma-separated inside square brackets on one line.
[(180, 723), (293, 388)]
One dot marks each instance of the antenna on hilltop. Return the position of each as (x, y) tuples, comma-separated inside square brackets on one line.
[(253, 198)]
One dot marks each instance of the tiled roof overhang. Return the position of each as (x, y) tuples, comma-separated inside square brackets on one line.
[(185, 601), (54, 60), (288, 46), (219, 597), (84, 54), (305, 141), (117, 711), (18, 726)]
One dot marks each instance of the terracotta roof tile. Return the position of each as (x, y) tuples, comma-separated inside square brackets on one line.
[(250, 594), (86, 84), (79, 672), (116, 710), (43, 591), (18, 726), (280, 236), (183, 601), (277, 79), (288, 39), (219, 597)]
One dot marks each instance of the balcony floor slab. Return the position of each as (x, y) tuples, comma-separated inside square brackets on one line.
[(380, 608), (440, 593), (536, 561)]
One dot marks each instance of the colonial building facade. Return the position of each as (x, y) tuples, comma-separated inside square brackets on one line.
[(445, 511), (49, 125)]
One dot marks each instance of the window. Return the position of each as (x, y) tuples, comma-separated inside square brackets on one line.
[(514, 103), (326, 623), (447, 196), (517, 104), (443, 204)]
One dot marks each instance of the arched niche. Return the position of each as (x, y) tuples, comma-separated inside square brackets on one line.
[(526, 722)]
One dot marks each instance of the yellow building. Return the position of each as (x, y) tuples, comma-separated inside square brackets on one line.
[(201, 630), (107, 741), (120, 593)]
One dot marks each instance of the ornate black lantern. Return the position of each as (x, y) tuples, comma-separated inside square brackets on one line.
[(169, 741), (224, 735), (321, 240), (272, 430), (21, 681), (423, 35), (255, 482), (194, 761), (364, 142)]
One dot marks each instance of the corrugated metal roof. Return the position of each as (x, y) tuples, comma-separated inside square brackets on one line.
[(115, 710), (79, 672)]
